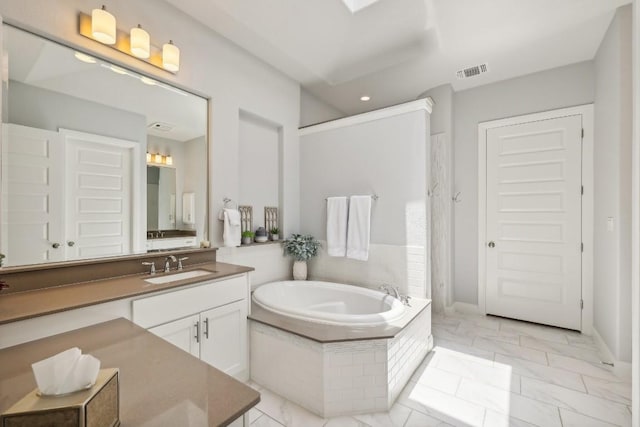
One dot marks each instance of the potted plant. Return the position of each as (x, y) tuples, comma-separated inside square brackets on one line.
[(302, 248), (247, 237), (275, 234)]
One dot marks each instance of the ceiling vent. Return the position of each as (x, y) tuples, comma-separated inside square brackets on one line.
[(476, 70), (162, 127)]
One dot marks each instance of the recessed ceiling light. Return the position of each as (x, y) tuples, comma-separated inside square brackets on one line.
[(85, 58), (365, 98)]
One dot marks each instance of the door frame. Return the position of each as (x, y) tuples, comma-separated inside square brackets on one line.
[(586, 111)]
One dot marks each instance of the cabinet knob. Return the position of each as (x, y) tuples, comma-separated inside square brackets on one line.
[(492, 244), (55, 245), (71, 243)]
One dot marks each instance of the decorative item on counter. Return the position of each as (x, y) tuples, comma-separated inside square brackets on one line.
[(270, 217), (205, 244), (275, 234), (246, 217), (66, 372), (247, 237), (302, 248), (98, 405), (2, 257), (261, 235), (3, 285)]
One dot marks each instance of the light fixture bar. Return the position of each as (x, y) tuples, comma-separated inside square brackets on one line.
[(123, 43)]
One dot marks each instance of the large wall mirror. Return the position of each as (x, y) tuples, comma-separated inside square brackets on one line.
[(97, 160)]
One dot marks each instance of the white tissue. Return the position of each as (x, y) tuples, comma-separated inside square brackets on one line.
[(66, 372)]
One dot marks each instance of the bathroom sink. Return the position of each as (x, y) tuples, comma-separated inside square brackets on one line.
[(179, 276)]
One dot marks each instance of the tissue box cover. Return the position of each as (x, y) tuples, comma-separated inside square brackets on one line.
[(98, 406)]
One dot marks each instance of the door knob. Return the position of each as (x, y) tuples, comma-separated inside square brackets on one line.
[(55, 245), (71, 243), (492, 244)]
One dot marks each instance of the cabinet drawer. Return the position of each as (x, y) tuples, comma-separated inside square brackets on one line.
[(159, 309)]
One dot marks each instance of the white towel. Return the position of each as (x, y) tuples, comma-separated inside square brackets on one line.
[(337, 210), (231, 232), (359, 227)]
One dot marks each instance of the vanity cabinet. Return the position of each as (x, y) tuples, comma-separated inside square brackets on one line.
[(208, 320)]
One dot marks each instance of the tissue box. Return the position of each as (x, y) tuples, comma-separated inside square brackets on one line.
[(98, 406)]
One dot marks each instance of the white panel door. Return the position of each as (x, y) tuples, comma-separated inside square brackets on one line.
[(33, 195), (182, 333), (533, 257), (99, 191), (224, 337)]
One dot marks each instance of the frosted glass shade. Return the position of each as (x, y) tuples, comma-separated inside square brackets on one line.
[(158, 158), (168, 160), (140, 43), (103, 26), (170, 57)]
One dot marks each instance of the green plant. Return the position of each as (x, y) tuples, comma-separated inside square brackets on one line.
[(274, 230), (248, 233), (301, 247)]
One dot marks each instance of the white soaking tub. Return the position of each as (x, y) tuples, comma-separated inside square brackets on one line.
[(330, 303)]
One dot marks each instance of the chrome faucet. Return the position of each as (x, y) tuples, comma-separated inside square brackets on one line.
[(167, 263), (396, 293)]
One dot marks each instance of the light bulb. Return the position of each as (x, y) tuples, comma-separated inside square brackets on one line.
[(140, 44), (170, 57), (103, 26)]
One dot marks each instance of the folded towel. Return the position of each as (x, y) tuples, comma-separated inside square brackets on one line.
[(359, 227), (231, 231), (337, 211)]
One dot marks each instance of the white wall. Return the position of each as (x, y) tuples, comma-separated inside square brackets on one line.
[(314, 110), (387, 157), (561, 87), (210, 65), (612, 269)]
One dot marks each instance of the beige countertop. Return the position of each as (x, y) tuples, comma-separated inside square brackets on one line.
[(324, 333), (160, 385), (28, 304)]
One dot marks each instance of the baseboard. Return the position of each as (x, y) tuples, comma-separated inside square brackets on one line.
[(463, 307), (621, 369)]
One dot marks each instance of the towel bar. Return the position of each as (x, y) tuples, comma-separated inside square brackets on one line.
[(373, 197)]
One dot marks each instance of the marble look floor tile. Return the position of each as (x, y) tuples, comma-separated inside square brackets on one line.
[(440, 332), (437, 404), (487, 322), (461, 350), (510, 404), (546, 373), (511, 350), (579, 340), (418, 419), (496, 419), (496, 375), (467, 329), (254, 414), (536, 331), (265, 421), (396, 417), (438, 379), (340, 422), (596, 370), (562, 349), (572, 419), (616, 391), (595, 407)]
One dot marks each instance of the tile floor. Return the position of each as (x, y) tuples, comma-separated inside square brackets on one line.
[(489, 372)]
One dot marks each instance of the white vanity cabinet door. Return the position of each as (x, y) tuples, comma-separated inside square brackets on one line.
[(224, 337), (183, 333)]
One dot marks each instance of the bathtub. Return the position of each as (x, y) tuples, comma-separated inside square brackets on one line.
[(329, 303)]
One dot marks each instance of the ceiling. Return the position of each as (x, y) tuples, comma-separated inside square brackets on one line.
[(393, 50)]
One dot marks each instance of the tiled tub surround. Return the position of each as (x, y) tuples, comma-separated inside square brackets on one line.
[(341, 377), (402, 266)]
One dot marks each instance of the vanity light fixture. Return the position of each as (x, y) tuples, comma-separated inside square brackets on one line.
[(171, 57), (103, 26), (158, 159), (140, 43), (365, 98)]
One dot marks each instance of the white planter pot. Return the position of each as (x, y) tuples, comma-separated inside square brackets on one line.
[(300, 270), (275, 237), (247, 240)]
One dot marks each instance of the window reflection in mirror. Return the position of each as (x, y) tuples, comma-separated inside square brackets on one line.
[(76, 131)]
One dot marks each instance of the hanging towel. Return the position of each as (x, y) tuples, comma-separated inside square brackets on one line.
[(337, 211), (359, 227), (231, 232)]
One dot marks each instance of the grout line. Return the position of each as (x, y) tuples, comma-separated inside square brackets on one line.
[(560, 416)]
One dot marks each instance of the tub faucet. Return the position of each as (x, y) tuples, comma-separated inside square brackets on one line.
[(389, 288), (167, 263)]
